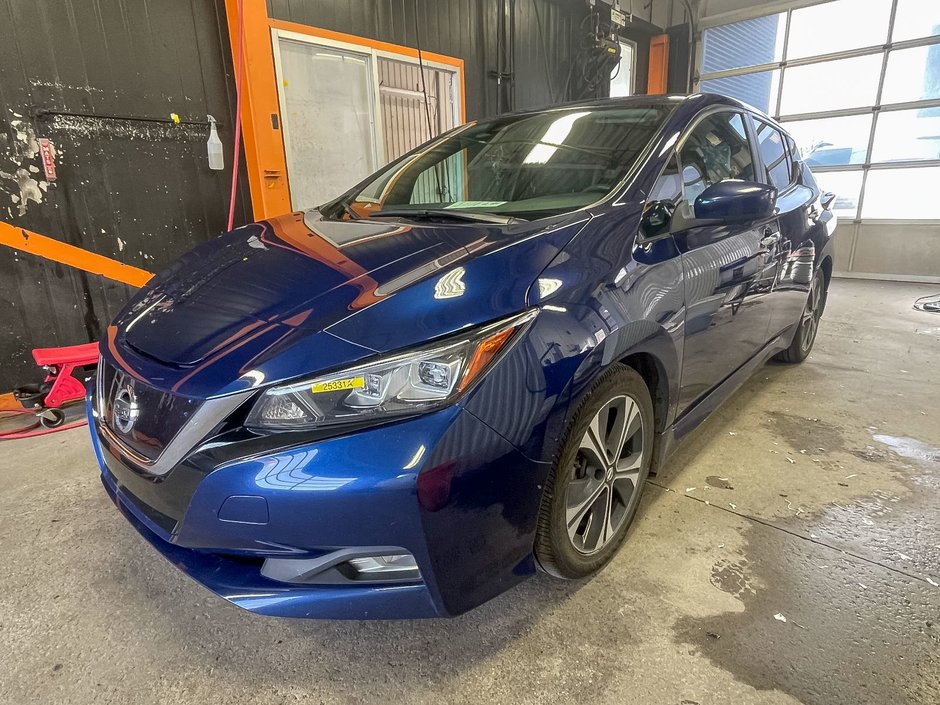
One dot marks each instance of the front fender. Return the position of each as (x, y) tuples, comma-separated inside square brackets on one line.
[(603, 299)]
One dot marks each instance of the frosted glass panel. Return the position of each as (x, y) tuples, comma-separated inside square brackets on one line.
[(838, 26), (328, 120), (846, 83), (916, 18), (902, 193), (835, 141), (913, 74), (905, 135)]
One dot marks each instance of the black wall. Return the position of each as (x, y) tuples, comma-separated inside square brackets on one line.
[(138, 191), (679, 47)]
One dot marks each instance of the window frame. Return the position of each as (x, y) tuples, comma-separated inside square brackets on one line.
[(884, 50)]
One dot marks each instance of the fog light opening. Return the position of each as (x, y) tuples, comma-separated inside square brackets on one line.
[(399, 566), (362, 564)]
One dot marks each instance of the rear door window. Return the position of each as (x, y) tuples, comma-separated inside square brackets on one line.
[(774, 154)]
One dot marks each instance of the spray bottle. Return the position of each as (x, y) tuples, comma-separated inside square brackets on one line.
[(214, 145)]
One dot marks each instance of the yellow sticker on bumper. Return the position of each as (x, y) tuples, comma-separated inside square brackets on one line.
[(339, 385)]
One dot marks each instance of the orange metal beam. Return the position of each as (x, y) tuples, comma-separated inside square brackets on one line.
[(58, 251), (261, 120), (659, 65)]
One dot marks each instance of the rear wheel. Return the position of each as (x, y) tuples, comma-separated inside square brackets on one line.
[(806, 330), (594, 488)]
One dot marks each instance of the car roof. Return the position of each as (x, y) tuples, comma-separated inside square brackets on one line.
[(694, 100)]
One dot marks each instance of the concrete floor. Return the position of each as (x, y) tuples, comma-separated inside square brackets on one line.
[(831, 524)]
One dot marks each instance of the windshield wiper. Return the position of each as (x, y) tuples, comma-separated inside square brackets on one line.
[(436, 213), (349, 210)]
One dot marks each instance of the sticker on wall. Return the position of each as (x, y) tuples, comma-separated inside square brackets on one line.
[(47, 151)]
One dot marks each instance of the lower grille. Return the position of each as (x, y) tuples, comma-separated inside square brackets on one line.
[(167, 523)]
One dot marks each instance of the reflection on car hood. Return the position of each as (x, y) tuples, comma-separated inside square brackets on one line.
[(251, 294)]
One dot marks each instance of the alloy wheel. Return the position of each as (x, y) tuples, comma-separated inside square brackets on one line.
[(605, 475)]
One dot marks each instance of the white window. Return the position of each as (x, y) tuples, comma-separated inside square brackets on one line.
[(621, 77), (348, 109)]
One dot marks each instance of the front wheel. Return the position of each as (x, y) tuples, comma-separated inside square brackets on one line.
[(806, 330), (594, 488)]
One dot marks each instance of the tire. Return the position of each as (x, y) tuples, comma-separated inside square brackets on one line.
[(808, 326), (572, 540)]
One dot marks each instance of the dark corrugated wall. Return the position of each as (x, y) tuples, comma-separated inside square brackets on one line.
[(138, 191)]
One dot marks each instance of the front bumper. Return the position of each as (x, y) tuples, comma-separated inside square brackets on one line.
[(444, 487)]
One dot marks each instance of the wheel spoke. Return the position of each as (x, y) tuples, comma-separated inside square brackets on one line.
[(634, 423), (584, 498), (588, 531), (629, 467), (617, 435), (593, 446), (609, 529)]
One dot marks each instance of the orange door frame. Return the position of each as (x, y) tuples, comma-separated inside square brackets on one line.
[(265, 158), (659, 65)]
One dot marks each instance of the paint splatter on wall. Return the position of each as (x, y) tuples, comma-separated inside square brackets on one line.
[(19, 181)]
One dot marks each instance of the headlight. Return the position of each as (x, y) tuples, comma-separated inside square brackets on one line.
[(408, 383)]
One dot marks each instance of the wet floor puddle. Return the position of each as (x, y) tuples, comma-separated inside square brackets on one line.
[(854, 593)]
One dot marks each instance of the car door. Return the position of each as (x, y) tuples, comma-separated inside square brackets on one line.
[(790, 251), (725, 265)]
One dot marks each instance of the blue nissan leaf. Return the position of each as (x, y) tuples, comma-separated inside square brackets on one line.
[(460, 372)]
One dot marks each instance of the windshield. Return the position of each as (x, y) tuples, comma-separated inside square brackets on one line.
[(527, 167)]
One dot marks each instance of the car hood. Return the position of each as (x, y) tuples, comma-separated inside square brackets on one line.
[(296, 294)]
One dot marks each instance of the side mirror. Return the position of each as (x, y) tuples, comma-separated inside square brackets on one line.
[(734, 201)]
